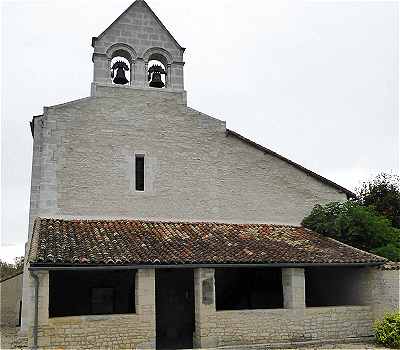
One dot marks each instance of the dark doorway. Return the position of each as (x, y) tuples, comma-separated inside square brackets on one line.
[(174, 308)]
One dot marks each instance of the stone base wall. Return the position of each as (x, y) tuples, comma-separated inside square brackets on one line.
[(287, 325), (117, 331), (97, 332), (11, 295), (385, 288), (252, 326), (338, 322), (293, 323)]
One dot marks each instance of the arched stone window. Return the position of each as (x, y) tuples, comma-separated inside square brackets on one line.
[(158, 65), (121, 59)]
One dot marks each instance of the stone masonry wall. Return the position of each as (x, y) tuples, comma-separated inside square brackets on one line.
[(193, 171), (337, 322), (41, 197), (204, 308), (293, 323), (96, 332), (100, 331), (287, 325), (83, 166), (385, 287), (10, 294), (213, 328), (377, 291), (140, 31)]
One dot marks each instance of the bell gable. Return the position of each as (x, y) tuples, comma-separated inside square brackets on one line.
[(138, 36)]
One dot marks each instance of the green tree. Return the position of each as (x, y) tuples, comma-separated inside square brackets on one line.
[(7, 269), (382, 193), (359, 226)]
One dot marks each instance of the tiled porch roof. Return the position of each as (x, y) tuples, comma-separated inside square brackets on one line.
[(390, 265), (128, 242)]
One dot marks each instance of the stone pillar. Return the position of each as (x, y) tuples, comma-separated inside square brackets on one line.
[(384, 286), (140, 73), (204, 294), (43, 311), (27, 297), (28, 302), (168, 76), (132, 72), (101, 69), (43, 308), (146, 302), (293, 288), (176, 78)]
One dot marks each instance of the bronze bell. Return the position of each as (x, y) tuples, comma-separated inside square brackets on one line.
[(156, 81), (154, 74), (120, 78)]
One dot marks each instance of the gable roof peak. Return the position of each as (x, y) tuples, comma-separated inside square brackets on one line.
[(135, 3)]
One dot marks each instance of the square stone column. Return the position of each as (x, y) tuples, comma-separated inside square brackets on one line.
[(140, 74), (146, 302), (101, 69), (384, 291), (43, 310), (43, 307), (293, 283), (27, 299), (176, 76), (204, 299)]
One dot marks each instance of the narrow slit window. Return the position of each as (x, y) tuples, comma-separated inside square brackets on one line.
[(139, 172)]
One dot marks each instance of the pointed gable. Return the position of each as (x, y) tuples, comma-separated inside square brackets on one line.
[(139, 27)]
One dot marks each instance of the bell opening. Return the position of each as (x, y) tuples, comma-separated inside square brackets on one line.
[(156, 74), (120, 71)]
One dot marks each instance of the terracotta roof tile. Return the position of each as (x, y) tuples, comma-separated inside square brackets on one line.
[(390, 265), (123, 242)]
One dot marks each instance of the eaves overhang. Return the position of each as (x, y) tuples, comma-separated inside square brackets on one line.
[(82, 267)]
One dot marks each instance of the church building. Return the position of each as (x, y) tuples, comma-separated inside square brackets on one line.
[(154, 226)]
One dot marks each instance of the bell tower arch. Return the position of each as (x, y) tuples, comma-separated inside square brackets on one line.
[(121, 59), (158, 62), (137, 50)]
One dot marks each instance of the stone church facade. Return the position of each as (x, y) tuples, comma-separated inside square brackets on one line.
[(152, 225)]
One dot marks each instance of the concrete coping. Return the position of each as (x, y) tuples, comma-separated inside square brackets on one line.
[(90, 318), (327, 309), (340, 307)]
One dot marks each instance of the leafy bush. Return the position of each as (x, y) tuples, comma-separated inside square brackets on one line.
[(387, 331), (359, 226)]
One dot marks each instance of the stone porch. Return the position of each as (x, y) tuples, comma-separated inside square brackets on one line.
[(294, 323)]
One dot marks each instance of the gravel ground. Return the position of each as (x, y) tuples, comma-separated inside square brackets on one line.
[(9, 340)]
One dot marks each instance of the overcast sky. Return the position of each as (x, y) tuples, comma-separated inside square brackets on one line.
[(315, 81)]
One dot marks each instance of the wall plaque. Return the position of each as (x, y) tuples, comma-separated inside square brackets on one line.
[(208, 291)]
